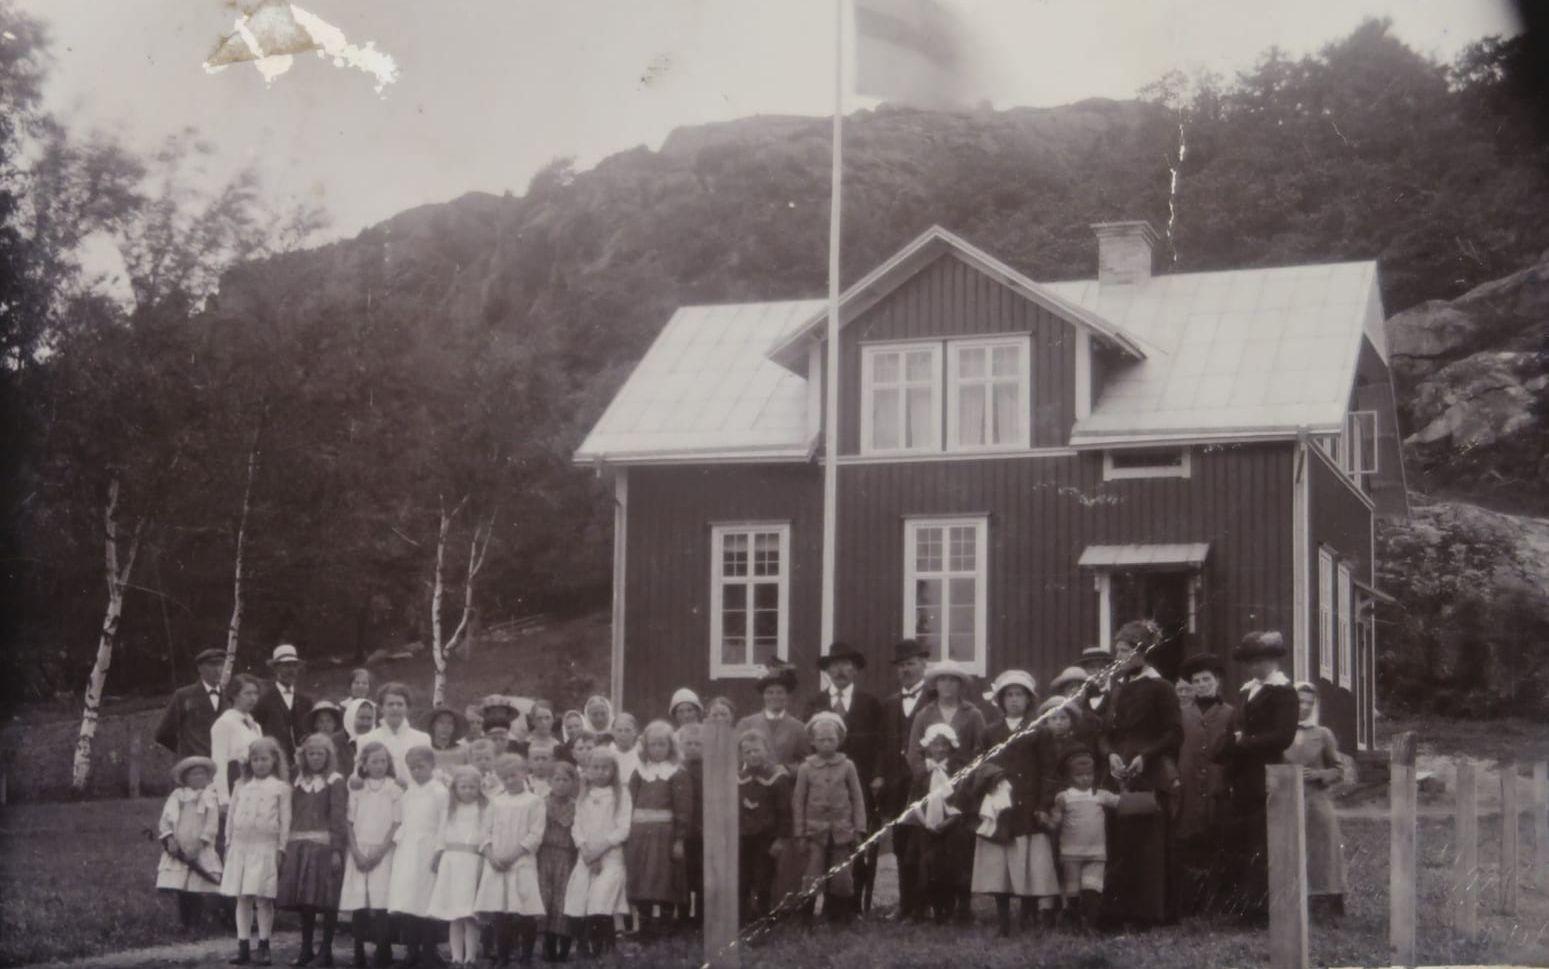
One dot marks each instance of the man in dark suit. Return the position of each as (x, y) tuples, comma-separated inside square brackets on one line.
[(282, 709), (185, 725), (890, 782), (1264, 727), (862, 715)]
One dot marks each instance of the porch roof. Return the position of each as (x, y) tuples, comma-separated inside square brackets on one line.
[(1144, 556)]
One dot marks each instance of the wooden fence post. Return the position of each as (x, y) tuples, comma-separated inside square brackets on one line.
[(136, 754), (1511, 817), (1540, 824), (1465, 866), (1287, 819), (720, 845), (1402, 873)]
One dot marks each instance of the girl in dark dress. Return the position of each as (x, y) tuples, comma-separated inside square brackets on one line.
[(1142, 732), (313, 869)]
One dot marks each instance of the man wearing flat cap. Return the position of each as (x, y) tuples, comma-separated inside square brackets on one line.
[(282, 709), (185, 724)]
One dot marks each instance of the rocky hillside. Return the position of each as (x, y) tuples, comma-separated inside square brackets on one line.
[(1473, 390)]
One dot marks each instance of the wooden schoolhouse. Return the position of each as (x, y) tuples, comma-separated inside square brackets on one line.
[(1022, 467)]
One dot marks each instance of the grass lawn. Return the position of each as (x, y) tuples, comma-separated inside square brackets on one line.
[(1496, 740), (76, 880)]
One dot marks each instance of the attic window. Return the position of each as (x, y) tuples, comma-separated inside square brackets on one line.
[(1146, 463)]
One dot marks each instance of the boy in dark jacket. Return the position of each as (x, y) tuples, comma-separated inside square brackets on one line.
[(764, 825)]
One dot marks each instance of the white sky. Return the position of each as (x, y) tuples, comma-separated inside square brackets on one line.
[(491, 90)]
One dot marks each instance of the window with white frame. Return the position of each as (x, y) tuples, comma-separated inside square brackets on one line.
[(901, 398), (1361, 438), (945, 587), (749, 597), (989, 384), (1325, 614), (1346, 627), (1146, 463)]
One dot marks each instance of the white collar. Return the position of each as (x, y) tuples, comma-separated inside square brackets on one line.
[(186, 794), (312, 783), (657, 770), (283, 688), (845, 693), (773, 717), (1146, 672), (1309, 723), (1276, 678), (914, 690), (209, 687), (387, 728), (1014, 723)]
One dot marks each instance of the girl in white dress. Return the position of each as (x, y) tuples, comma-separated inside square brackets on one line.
[(508, 885), (596, 891), (408, 893), (457, 862), (257, 828), (190, 821), (376, 811), (232, 733)]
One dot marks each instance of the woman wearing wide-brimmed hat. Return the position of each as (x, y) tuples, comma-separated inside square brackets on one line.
[(1264, 727), (446, 727), (946, 701), (787, 736), (1142, 732)]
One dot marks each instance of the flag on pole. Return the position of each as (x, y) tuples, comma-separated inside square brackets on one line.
[(912, 52)]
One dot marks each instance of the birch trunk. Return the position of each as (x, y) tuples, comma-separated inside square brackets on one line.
[(117, 572), (234, 628), (437, 592), (478, 545)]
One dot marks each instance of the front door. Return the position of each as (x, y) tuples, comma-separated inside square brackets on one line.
[(1165, 598)]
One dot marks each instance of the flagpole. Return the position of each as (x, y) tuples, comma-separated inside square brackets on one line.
[(831, 367)]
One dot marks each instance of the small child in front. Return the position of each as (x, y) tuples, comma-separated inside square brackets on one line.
[(828, 810), (1080, 816), (691, 746), (660, 794), (190, 866), (312, 874), (764, 825), (375, 811), (457, 864), (596, 890), (556, 859), (408, 891), (257, 830), (943, 853), (508, 884)]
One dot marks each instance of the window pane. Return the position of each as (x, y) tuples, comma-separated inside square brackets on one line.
[(884, 420), (970, 415), (961, 644), (927, 550), (928, 611), (921, 420), (766, 595), (734, 623), (961, 613), (1006, 361), (766, 554), (884, 367), (919, 364), (765, 651), (971, 362), (962, 554), (734, 555), (1008, 414)]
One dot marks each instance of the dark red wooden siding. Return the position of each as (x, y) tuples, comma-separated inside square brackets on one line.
[(667, 624), (1340, 521), (949, 298), (1042, 513)]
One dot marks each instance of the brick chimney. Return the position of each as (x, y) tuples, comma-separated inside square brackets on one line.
[(1124, 252)]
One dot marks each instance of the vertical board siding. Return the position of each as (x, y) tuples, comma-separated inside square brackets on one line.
[(667, 606), (1340, 521), (948, 298), (1042, 512)]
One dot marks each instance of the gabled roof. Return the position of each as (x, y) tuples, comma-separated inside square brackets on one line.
[(706, 390), (1237, 353), (790, 351)]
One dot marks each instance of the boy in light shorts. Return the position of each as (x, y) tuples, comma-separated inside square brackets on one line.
[(1080, 817)]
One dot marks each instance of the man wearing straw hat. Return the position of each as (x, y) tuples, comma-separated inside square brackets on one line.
[(282, 709)]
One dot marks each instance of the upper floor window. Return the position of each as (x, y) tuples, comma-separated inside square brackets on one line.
[(988, 383), (953, 395), (1354, 448), (901, 398)]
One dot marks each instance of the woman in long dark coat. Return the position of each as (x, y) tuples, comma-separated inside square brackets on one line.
[(1142, 732)]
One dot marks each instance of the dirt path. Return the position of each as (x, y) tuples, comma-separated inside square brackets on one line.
[(204, 952)]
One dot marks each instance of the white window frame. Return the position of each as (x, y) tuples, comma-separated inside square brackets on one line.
[(1182, 469), (955, 382), (1325, 613), (981, 526), (1361, 432), (1346, 627), (869, 353), (718, 582)]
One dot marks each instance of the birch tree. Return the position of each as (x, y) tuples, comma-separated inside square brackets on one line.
[(478, 547), (234, 627)]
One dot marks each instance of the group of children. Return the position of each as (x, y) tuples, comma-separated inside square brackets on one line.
[(501, 827)]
